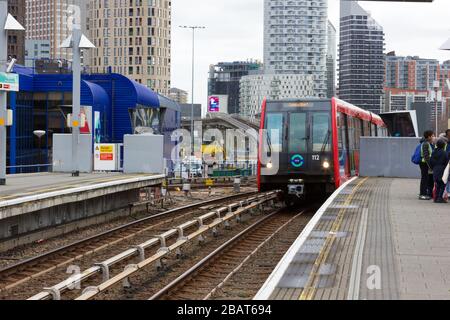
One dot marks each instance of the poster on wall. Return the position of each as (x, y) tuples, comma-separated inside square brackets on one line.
[(214, 104), (87, 112)]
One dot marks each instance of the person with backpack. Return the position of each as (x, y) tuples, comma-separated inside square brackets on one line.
[(422, 156), (438, 163)]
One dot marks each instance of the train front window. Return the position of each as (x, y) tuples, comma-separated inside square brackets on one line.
[(274, 131), (297, 133), (321, 132)]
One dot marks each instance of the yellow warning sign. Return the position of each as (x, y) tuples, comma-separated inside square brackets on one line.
[(2, 121), (75, 124), (106, 149), (209, 182)]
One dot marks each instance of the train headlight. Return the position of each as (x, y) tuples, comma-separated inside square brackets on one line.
[(326, 165), (270, 165)]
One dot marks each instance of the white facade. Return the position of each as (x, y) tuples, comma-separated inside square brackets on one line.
[(255, 88), (36, 49), (331, 61), (51, 20), (295, 39)]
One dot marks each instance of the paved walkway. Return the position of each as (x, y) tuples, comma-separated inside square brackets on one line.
[(372, 240)]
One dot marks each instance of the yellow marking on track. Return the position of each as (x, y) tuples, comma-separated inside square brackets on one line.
[(309, 291)]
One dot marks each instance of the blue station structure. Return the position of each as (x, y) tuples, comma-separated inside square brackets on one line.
[(123, 107)]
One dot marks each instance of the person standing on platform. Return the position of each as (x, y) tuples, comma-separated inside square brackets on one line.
[(427, 181), (447, 149), (438, 162)]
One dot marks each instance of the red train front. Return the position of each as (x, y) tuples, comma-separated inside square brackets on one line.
[(311, 146)]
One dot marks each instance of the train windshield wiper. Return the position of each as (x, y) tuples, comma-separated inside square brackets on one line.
[(326, 141), (269, 143)]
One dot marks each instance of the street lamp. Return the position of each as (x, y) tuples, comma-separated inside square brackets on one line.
[(193, 28), (446, 46), (436, 87), (77, 41), (39, 134)]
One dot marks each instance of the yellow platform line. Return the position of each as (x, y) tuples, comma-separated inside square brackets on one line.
[(309, 291)]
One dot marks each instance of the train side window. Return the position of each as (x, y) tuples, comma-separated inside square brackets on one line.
[(357, 132), (351, 133), (321, 135), (274, 133), (374, 132), (367, 129), (297, 133)]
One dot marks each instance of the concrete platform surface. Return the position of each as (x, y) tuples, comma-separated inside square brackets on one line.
[(22, 185), (372, 240)]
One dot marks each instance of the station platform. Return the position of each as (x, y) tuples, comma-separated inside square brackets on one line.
[(23, 188), (372, 240), (32, 202), (22, 185)]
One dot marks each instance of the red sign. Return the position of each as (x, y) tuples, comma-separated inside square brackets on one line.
[(106, 156)]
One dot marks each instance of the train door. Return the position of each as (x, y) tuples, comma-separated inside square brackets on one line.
[(320, 141), (296, 158)]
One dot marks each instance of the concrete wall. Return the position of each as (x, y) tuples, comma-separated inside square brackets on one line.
[(143, 154), (21, 222), (388, 157), (62, 153), (59, 215)]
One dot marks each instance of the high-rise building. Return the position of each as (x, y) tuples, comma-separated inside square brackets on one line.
[(50, 20), (16, 39), (331, 61), (178, 95), (411, 73), (411, 79), (295, 39), (36, 49), (132, 38), (361, 57), (403, 99), (254, 88), (224, 79)]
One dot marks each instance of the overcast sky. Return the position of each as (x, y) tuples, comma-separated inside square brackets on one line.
[(234, 31)]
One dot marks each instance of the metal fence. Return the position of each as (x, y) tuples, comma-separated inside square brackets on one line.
[(33, 168), (192, 169)]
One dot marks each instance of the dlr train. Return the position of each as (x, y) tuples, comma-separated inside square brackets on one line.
[(311, 147)]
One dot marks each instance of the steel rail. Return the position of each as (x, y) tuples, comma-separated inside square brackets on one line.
[(139, 250), (229, 244), (33, 261)]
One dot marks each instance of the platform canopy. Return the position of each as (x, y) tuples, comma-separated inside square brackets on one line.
[(446, 45)]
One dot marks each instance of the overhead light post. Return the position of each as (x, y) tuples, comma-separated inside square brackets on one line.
[(77, 41), (7, 22), (446, 46), (436, 92), (193, 28)]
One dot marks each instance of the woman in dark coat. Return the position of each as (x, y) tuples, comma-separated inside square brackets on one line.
[(438, 162)]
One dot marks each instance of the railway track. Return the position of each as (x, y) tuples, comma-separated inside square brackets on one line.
[(23, 271), (100, 280), (231, 270)]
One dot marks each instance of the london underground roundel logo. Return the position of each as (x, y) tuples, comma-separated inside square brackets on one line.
[(297, 161)]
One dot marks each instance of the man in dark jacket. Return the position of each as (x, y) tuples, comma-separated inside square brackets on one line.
[(427, 181), (438, 162), (447, 136)]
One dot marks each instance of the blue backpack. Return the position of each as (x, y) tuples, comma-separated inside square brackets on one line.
[(417, 156)]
